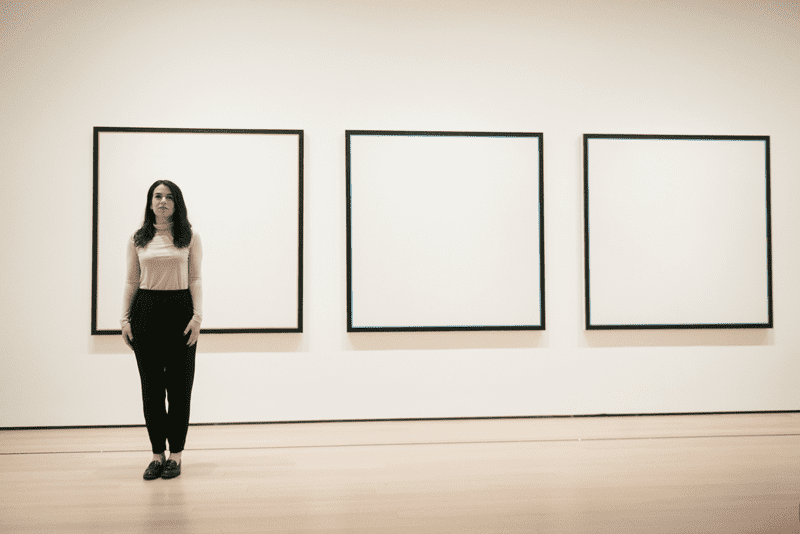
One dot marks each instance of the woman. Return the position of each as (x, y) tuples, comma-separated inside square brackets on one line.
[(162, 311)]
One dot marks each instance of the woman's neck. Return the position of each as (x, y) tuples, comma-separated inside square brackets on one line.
[(163, 220)]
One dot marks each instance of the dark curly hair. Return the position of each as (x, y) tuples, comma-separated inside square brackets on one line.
[(181, 227)]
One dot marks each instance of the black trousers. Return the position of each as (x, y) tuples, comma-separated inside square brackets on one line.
[(166, 363)]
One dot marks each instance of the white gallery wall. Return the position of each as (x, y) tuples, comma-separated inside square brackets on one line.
[(561, 68)]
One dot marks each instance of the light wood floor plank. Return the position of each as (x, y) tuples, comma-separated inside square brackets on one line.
[(736, 483), (382, 432)]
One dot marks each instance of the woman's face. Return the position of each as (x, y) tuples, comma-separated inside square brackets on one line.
[(163, 204)]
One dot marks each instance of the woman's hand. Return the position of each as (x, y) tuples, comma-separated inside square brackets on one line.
[(193, 329), (127, 335)]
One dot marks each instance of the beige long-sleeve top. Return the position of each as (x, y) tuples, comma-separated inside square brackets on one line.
[(162, 266)]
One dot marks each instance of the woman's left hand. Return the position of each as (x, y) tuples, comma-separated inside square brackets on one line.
[(193, 329)]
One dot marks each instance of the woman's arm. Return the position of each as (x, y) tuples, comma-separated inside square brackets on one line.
[(195, 287), (131, 285)]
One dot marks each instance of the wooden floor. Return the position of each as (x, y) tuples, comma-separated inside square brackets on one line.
[(708, 473)]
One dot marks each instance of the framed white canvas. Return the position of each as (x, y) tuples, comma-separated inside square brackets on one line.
[(445, 231), (677, 231), (244, 194)]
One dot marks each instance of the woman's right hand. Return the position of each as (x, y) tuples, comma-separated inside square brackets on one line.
[(127, 335)]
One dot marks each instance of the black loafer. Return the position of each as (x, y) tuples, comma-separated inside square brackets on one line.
[(153, 470), (171, 469)]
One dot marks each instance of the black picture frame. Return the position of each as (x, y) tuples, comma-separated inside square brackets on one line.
[(755, 173), (536, 244), (297, 223)]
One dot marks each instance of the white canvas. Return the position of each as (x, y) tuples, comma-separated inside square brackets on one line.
[(677, 232), (242, 195), (444, 231)]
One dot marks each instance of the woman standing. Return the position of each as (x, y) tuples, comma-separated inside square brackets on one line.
[(162, 311)]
